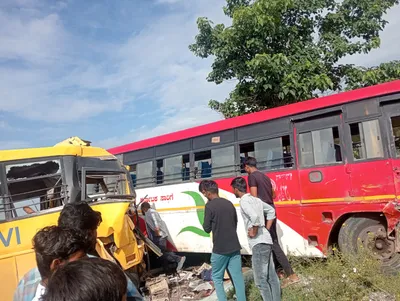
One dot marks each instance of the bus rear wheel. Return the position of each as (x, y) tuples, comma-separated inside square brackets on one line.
[(369, 233)]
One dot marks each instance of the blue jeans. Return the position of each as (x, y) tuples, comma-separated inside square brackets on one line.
[(232, 263), (265, 276)]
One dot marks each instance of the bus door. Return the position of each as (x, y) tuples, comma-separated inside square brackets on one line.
[(323, 178), (391, 112), (369, 167)]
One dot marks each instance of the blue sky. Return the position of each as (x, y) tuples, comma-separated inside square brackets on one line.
[(112, 71)]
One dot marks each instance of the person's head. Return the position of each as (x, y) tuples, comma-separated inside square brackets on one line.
[(86, 280), (239, 186), (79, 215), (209, 189), (145, 207), (54, 246), (250, 165)]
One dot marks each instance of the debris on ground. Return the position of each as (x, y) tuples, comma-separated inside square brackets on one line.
[(158, 288), (193, 284)]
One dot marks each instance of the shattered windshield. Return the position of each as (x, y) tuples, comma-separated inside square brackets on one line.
[(101, 184)]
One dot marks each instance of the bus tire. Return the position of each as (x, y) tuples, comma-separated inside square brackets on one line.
[(370, 233)]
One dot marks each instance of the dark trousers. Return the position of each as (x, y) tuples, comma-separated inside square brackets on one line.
[(167, 257), (280, 258)]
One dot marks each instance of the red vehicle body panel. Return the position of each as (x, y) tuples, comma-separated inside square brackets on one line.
[(270, 114), (312, 208)]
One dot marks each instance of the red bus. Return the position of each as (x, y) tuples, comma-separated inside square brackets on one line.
[(334, 163)]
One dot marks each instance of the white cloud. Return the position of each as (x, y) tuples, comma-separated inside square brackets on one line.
[(62, 78), (14, 144), (390, 44), (168, 1), (184, 118), (35, 40)]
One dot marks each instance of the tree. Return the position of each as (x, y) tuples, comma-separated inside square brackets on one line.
[(284, 51)]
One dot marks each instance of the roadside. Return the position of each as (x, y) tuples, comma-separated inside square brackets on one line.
[(340, 278)]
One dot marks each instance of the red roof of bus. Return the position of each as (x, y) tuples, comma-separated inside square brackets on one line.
[(292, 109)]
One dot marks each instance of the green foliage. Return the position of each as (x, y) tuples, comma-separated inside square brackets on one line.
[(340, 277), (284, 51)]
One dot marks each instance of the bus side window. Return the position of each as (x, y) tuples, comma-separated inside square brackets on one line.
[(142, 174), (132, 172), (173, 169), (366, 140), (396, 133), (218, 162), (34, 186), (320, 147), (2, 209), (202, 163), (271, 154)]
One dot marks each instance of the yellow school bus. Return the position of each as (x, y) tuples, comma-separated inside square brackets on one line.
[(35, 184)]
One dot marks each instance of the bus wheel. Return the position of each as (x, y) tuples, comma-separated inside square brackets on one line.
[(369, 233)]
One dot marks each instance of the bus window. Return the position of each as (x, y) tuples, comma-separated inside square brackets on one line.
[(132, 172), (223, 161), (2, 209), (34, 186), (271, 154), (100, 183), (173, 169), (144, 174), (32, 195), (366, 140), (396, 133), (320, 147), (202, 163), (215, 162)]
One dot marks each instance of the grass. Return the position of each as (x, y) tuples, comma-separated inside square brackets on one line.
[(340, 277)]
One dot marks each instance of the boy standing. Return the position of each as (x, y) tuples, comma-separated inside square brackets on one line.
[(220, 217), (255, 212)]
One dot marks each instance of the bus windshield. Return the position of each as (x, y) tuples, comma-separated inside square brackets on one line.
[(100, 184)]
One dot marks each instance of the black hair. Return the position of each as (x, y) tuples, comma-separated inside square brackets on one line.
[(209, 186), (251, 162), (240, 184), (54, 242), (79, 215), (145, 205), (87, 279)]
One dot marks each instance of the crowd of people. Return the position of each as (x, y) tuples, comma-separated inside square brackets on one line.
[(259, 216), (68, 270), (220, 217)]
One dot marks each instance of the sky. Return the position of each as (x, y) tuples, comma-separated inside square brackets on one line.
[(113, 72)]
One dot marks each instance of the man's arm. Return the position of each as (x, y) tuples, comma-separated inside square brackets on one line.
[(253, 217), (207, 225), (154, 215), (269, 213)]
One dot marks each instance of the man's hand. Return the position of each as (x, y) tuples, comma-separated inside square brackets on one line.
[(157, 231), (252, 232)]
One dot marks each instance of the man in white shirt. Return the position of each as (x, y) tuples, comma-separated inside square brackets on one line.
[(254, 212), (158, 233)]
